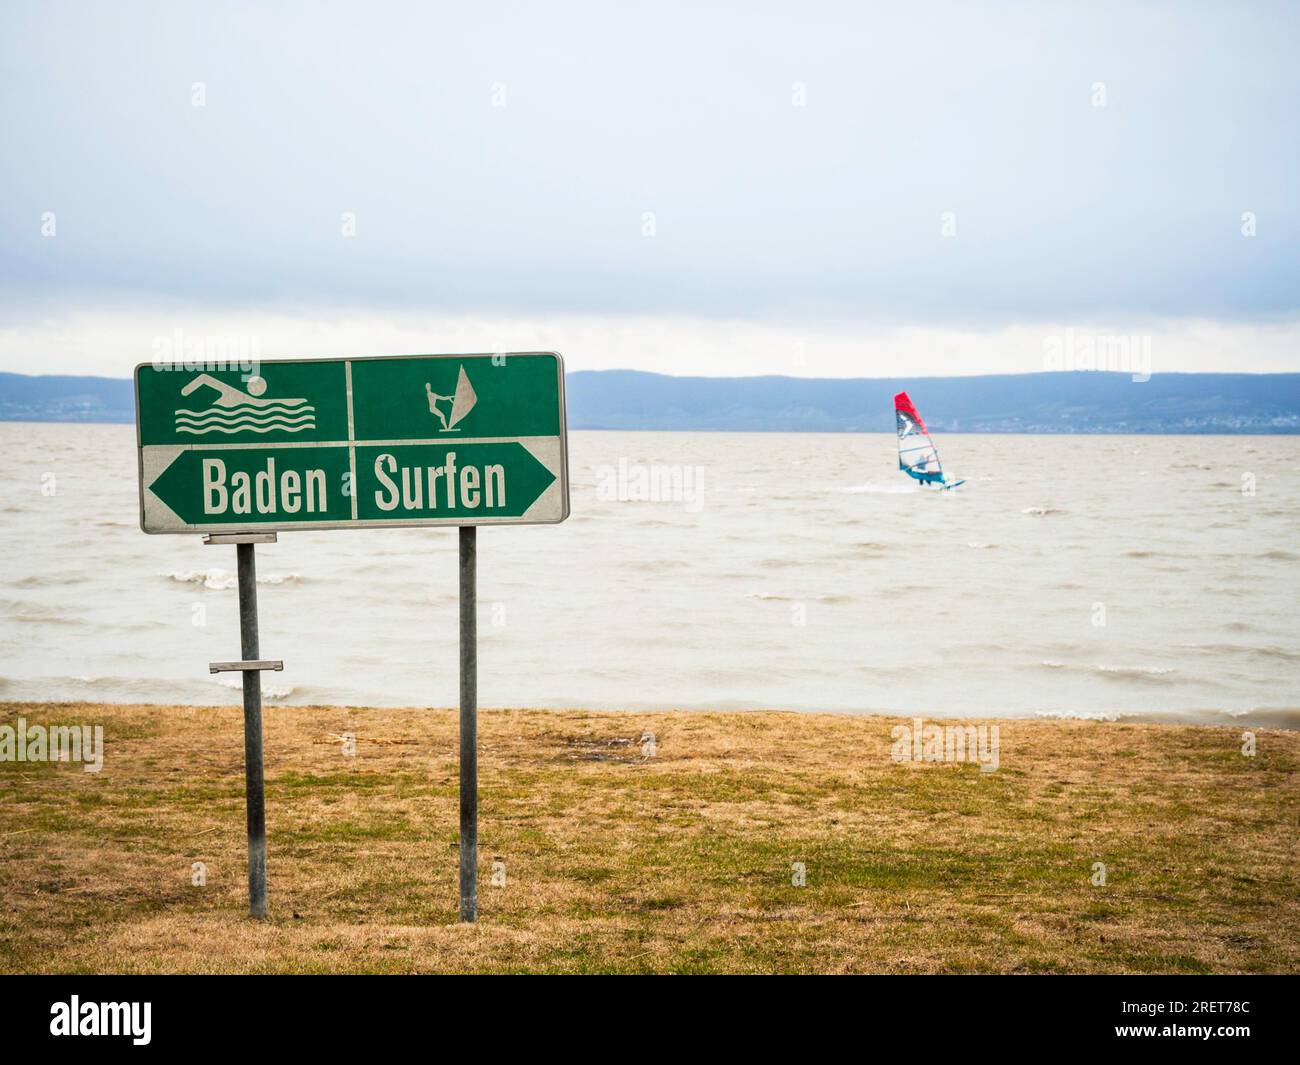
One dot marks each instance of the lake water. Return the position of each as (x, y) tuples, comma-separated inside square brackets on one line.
[(1137, 577)]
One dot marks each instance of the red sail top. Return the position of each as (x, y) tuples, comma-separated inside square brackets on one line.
[(903, 402)]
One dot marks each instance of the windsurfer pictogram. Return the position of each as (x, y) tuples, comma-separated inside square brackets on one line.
[(462, 402), (234, 411)]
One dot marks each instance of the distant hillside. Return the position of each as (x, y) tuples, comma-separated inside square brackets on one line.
[(1074, 402), (65, 399)]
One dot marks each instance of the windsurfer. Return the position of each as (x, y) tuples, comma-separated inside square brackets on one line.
[(433, 403)]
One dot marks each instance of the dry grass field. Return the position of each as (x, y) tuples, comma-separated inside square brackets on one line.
[(680, 862)]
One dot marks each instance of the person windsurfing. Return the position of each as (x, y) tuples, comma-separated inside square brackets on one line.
[(917, 456)]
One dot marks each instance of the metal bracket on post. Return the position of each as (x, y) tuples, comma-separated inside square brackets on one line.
[(273, 664), (251, 666)]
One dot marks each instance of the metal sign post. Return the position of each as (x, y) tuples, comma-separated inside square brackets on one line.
[(251, 667), (240, 452), (468, 723)]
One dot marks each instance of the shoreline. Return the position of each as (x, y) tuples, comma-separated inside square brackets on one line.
[(680, 855), (1282, 718)]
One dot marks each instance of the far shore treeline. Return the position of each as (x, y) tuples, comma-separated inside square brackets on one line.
[(1076, 401)]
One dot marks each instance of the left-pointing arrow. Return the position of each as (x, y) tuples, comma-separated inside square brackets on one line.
[(255, 486)]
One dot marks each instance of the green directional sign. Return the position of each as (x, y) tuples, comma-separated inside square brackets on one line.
[(344, 443)]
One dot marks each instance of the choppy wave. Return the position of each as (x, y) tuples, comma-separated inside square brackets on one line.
[(1043, 512), (780, 597), (198, 691), (1137, 672), (1281, 717), (1141, 673), (41, 617), (884, 489), (44, 580), (221, 579), (779, 563), (1265, 651), (270, 690)]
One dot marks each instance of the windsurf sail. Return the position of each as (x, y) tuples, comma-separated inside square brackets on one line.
[(464, 399), (917, 456)]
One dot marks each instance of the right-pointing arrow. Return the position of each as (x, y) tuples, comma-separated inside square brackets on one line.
[(406, 482)]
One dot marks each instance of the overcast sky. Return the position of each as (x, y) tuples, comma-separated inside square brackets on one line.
[(838, 189)]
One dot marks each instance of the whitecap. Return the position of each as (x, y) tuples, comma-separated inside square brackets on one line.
[(219, 579), (884, 489)]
